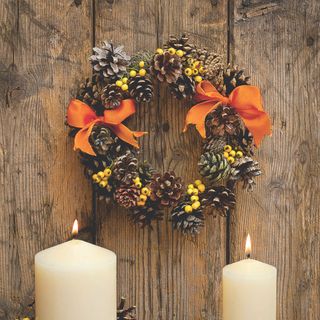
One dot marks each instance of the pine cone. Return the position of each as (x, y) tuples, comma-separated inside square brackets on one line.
[(126, 314), (214, 144), (127, 196), (244, 141), (245, 169), (213, 64), (188, 223), (223, 121), (183, 88), (90, 93), (101, 139), (125, 168), (166, 189), (232, 77), (145, 215), (220, 198), (145, 172), (180, 43), (112, 96), (166, 67), (110, 61), (214, 167), (141, 89)]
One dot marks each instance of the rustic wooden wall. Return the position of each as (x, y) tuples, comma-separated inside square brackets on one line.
[(45, 45)]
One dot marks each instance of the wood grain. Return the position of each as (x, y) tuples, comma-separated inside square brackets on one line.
[(165, 274), (39, 174), (278, 43)]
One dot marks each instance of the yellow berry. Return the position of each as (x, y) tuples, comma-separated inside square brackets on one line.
[(188, 71), (231, 160), (159, 51), (194, 198), (133, 73), (201, 70), (190, 186), (198, 78), (180, 53), (226, 154), (149, 193), (190, 61), (138, 184), (125, 80), (196, 64), (107, 172), (227, 148), (190, 191), (172, 51), (142, 72), (196, 205), (96, 178), (124, 87), (141, 203), (239, 154), (119, 83), (103, 184), (232, 153), (197, 182), (195, 191), (188, 209), (143, 197), (100, 174), (137, 179), (145, 191), (201, 187), (141, 64), (195, 71)]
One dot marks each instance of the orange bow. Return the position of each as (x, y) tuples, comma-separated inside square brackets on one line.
[(246, 100), (80, 115)]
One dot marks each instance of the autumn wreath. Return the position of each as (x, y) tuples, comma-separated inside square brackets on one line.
[(228, 114)]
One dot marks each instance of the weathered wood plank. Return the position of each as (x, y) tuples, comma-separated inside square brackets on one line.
[(278, 42), (165, 274), (44, 46)]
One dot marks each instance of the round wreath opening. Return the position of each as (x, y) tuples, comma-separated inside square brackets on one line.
[(227, 113)]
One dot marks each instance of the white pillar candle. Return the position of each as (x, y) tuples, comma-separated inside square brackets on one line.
[(75, 280), (249, 290)]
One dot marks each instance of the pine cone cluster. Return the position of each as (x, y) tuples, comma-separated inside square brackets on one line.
[(223, 121), (126, 314), (232, 77), (125, 168), (166, 189), (141, 89), (109, 60), (183, 88), (127, 196), (214, 167), (181, 43), (245, 169), (188, 223), (166, 67), (221, 198), (111, 96)]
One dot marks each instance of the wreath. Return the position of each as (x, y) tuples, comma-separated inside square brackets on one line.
[(227, 113)]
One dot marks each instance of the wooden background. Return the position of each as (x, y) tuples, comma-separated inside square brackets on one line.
[(44, 54)]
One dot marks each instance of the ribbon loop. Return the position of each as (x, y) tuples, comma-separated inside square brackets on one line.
[(246, 100), (80, 115)]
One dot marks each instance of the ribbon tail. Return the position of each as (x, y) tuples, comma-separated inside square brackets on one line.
[(81, 140), (197, 116), (126, 135)]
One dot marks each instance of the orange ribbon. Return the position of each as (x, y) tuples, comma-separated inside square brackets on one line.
[(80, 115), (246, 100)]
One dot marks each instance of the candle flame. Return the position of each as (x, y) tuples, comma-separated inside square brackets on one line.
[(75, 228), (248, 246)]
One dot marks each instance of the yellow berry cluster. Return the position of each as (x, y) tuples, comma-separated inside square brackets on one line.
[(144, 192), (102, 177), (230, 154), (194, 69), (123, 83), (172, 51), (142, 71), (193, 191)]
